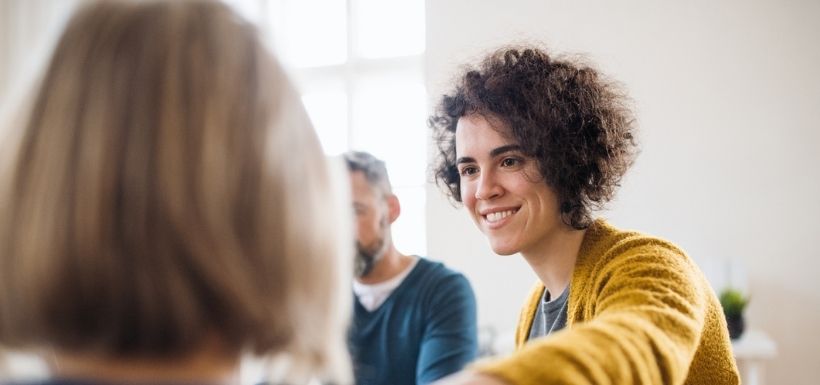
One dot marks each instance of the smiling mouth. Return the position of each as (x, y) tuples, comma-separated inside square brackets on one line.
[(498, 216)]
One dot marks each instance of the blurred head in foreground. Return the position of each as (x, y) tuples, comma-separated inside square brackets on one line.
[(167, 205)]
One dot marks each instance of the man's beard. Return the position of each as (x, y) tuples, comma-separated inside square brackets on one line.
[(366, 257)]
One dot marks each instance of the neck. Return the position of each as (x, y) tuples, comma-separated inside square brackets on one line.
[(553, 260), (205, 366), (390, 265)]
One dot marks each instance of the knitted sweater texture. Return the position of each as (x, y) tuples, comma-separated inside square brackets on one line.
[(640, 312)]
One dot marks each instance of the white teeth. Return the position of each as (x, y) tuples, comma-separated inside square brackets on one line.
[(497, 216)]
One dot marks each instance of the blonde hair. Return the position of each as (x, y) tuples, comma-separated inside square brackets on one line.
[(167, 187)]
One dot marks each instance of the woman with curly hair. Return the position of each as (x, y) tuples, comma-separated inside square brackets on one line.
[(532, 146)]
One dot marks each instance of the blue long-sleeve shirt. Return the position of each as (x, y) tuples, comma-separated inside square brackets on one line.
[(425, 330)]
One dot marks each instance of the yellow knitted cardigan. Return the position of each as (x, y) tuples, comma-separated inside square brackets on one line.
[(640, 312)]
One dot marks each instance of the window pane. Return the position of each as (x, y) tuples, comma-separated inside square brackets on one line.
[(409, 230), (310, 33), (328, 112), (389, 121), (388, 28)]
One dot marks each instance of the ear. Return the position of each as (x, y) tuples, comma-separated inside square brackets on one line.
[(393, 208)]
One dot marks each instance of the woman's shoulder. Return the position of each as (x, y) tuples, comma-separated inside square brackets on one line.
[(605, 243), (608, 251)]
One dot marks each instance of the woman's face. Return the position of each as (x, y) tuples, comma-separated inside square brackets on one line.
[(502, 189)]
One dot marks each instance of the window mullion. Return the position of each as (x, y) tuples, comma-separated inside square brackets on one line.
[(349, 71)]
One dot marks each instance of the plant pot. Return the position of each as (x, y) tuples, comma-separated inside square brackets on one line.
[(736, 325)]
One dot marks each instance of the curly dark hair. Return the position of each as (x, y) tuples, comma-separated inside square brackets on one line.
[(563, 113)]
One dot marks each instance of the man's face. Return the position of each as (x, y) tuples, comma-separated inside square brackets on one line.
[(372, 224)]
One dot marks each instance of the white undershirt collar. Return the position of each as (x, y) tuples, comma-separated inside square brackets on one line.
[(373, 296)]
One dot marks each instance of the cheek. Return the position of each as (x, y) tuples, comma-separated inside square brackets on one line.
[(369, 224), (359, 227), (547, 201), (467, 196), (362, 226)]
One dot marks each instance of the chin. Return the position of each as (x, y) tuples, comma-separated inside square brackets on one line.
[(503, 249)]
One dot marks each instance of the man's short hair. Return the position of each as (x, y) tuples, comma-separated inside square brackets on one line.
[(373, 169)]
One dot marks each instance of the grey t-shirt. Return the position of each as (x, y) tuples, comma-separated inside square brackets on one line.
[(551, 315)]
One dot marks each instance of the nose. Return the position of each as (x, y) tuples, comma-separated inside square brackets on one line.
[(488, 187)]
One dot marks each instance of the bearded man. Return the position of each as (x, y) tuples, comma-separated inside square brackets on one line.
[(414, 319)]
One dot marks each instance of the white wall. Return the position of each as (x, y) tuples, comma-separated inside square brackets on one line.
[(728, 101)]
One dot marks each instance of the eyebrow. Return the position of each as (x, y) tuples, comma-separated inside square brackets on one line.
[(508, 148), (494, 153)]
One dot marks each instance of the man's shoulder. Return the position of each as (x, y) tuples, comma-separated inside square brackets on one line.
[(437, 269), (436, 276)]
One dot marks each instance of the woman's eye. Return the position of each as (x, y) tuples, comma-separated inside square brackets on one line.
[(510, 162), (468, 170)]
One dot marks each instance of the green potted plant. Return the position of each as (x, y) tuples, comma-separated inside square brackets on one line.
[(733, 302)]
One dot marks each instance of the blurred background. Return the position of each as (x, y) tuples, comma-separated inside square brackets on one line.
[(727, 95)]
